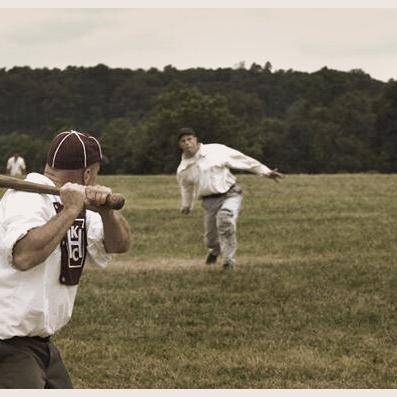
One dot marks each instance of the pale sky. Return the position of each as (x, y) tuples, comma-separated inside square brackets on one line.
[(304, 39)]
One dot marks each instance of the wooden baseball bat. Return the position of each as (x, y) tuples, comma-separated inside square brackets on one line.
[(113, 201)]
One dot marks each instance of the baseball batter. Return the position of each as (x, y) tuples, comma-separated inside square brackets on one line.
[(204, 172), (45, 242)]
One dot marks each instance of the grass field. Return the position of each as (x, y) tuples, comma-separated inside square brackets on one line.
[(312, 303)]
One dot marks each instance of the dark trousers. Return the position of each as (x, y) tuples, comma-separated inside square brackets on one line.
[(32, 363)]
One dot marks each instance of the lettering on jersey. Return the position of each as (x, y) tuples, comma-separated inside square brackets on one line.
[(75, 242), (73, 249)]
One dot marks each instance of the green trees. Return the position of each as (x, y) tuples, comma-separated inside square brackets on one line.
[(180, 106), (322, 139), (385, 138), (122, 146), (326, 121), (33, 150)]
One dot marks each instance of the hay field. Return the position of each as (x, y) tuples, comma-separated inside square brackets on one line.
[(312, 303)]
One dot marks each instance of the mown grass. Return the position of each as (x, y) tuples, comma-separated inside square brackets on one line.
[(311, 305)]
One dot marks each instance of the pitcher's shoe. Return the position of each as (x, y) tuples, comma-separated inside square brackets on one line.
[(211, 259), (227, 266)]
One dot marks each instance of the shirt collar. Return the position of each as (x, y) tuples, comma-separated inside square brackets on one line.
[(39, 178), (187, 161), (201, 152)]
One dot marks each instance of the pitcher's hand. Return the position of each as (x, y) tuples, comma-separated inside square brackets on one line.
[(274, 174)]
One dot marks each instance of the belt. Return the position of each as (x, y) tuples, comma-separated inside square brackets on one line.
[(216, 195), (27, 338)]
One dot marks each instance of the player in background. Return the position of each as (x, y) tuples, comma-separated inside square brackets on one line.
[(16, 166)]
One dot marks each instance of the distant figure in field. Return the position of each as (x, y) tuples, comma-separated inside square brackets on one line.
[(45, 241), (204, 172), (16, 166)]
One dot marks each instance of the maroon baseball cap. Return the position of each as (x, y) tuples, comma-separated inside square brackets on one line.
[(72, 150)]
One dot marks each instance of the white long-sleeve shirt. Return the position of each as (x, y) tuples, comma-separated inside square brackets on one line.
[(16, 166), (208, 171), (34, 302)]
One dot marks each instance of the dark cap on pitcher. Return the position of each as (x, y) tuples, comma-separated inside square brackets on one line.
[(72, 150), (186, 131)]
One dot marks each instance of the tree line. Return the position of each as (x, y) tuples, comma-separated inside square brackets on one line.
[(323, 122)]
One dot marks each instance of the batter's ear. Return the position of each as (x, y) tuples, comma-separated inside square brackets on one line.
[(90, 173), (87, 176)]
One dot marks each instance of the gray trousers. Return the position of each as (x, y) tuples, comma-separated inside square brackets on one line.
[(220, 222), (31, 363)]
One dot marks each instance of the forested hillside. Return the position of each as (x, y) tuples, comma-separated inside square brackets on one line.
[(322, 122)]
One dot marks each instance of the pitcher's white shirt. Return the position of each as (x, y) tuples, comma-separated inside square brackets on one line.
[(34, 302), (208, 171), (16, 166)]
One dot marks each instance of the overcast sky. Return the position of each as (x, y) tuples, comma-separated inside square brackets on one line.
[(300, 39)]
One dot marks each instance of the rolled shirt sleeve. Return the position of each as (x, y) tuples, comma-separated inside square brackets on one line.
[(18, 218)]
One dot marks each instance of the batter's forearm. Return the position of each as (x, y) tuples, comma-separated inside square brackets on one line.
[(116, 232), (40, 242)]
